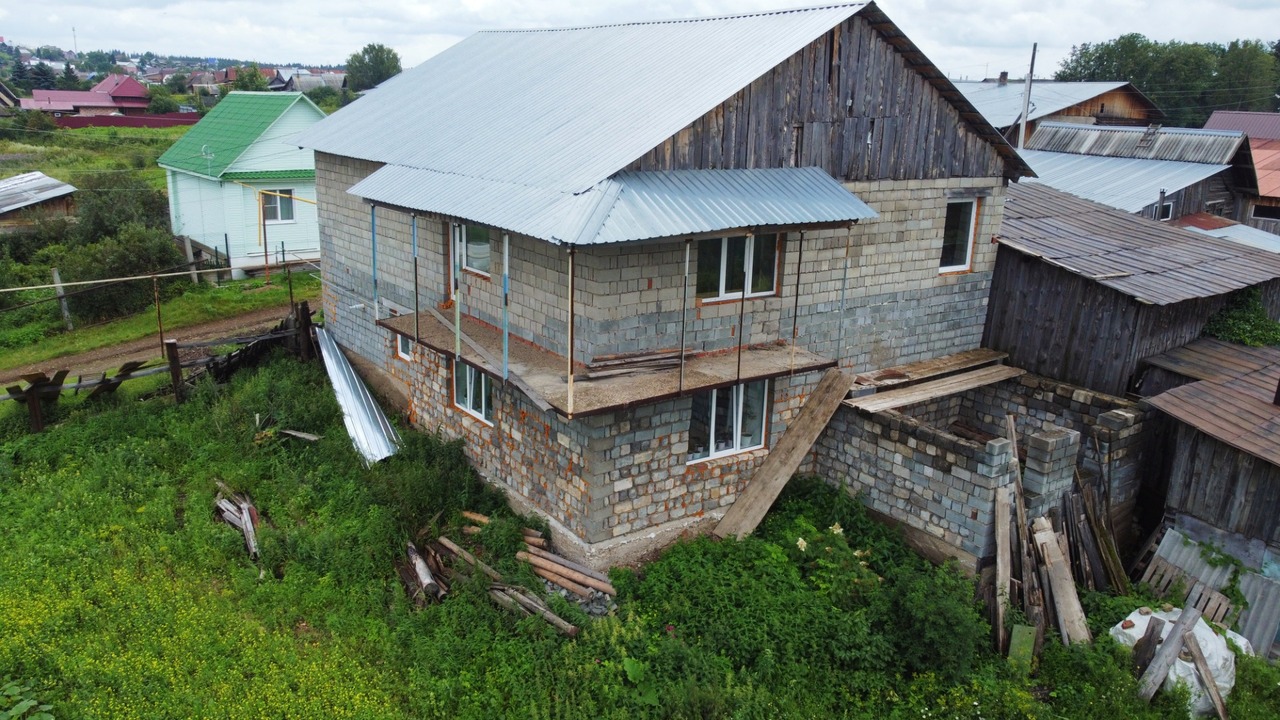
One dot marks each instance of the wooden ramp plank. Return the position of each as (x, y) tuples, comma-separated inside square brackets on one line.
[(923, 392), (767, 482), (925, 369)]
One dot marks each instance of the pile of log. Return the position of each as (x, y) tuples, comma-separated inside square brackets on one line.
[(425, 573), (512, 597), (238, 511), (531, 536), (606, 366), (590, 588)]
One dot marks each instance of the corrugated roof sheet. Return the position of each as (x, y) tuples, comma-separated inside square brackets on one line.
[(1225, 229), (1261, 620), (565, 109), (1002, 104), (1129, 184), (631, 206), (1216, 147), (374, 437), (1149, 261), (1257, 125), (28, 189), (1266, 163), (221, 136)]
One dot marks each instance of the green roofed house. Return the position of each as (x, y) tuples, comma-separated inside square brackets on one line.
[(238, 187)]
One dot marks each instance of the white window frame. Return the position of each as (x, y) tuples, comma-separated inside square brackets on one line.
[(1253, 213), (276, 204), (973, 232), (1160, 212), (749, 262), (460, 247), (475, 380), (404, 347), (738, 392)]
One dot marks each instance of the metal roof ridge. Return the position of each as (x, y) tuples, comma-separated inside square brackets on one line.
[(674, 21)]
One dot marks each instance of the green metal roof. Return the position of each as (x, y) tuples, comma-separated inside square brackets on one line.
[(221, 136), (271, 175)]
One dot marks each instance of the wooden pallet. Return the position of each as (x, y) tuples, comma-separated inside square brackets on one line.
[(1162, 575)]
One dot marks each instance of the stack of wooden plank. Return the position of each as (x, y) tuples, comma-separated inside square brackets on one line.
[(424, 573), (1095, 559), (605, 366), (238, 511)]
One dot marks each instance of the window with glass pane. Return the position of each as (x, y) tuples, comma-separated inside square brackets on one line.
[(725, 264), (957, 236), (473, 391), (404, 347), (475, 248), (276, 208), (728, 420)]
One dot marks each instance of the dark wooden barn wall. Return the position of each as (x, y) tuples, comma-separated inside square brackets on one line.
[(1056, 323), (847, 103), (1225, 487), (1196, 198)]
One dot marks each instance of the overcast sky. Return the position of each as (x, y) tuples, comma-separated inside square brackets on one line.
[(966, 38)]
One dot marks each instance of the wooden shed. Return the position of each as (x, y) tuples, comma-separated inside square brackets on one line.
[(1083, 293)]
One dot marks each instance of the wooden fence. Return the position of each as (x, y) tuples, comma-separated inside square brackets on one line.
[(294, 331)]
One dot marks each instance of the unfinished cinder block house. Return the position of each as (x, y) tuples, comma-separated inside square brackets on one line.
[(616, 259)]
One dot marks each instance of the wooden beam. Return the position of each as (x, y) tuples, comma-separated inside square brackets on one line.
[(1168, 652), (1065, 599), (1206, 675), (1004, 561), (767, 482), (924, 392)]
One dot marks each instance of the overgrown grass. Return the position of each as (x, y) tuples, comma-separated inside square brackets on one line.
[(120, 596), (72, 155), (1244, 320), (36, 334)]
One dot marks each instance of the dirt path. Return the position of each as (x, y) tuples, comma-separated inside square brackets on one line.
[(148, 348)]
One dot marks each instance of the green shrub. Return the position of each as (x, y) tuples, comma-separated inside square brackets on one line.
[(1244, 320), (105, 204), (931, 620), (135, 250), (17, 702)]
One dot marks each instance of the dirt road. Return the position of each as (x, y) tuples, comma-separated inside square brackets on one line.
[(148, 348)]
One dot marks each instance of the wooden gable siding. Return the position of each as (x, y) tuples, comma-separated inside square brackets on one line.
[(1225, 487), (1058, 324), (818, 108), (1197, 198), (1115, 107)]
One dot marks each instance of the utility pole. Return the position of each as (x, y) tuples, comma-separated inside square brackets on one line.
[(1026, 99)]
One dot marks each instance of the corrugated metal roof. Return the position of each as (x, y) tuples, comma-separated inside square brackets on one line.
[(374, 437), (1261, 620), (565, 109), (631, 206), (1266, 164), (1216, 147), (1002, 104), (1129, 184), (28, 189), (1150, 261), (221, 136), (1257, 125), (1235, 232)]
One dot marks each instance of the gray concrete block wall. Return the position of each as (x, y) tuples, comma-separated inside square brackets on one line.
[(923, 477)]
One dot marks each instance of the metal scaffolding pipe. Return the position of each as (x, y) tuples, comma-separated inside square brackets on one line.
[(417, 322), (373, 235), (506, 305), (569, 353), (684, 308)]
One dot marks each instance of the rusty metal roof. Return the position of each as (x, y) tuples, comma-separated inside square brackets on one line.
[(1216, 147), (1152, 262), (1257, 125), (29, 189), (1260, 621)]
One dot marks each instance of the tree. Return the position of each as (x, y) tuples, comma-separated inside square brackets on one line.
[(50, 52), (250, 78), (106, 203), (68, 80), (177, 83), (1248, 74), (21, 77), (43, 77), (161, 100), (371, 66)]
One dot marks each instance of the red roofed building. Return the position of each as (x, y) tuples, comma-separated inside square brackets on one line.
[(116, 94)]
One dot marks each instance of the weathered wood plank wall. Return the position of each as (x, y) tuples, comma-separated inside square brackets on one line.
[(1223, 486), (1055, 323), (848, 103)]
